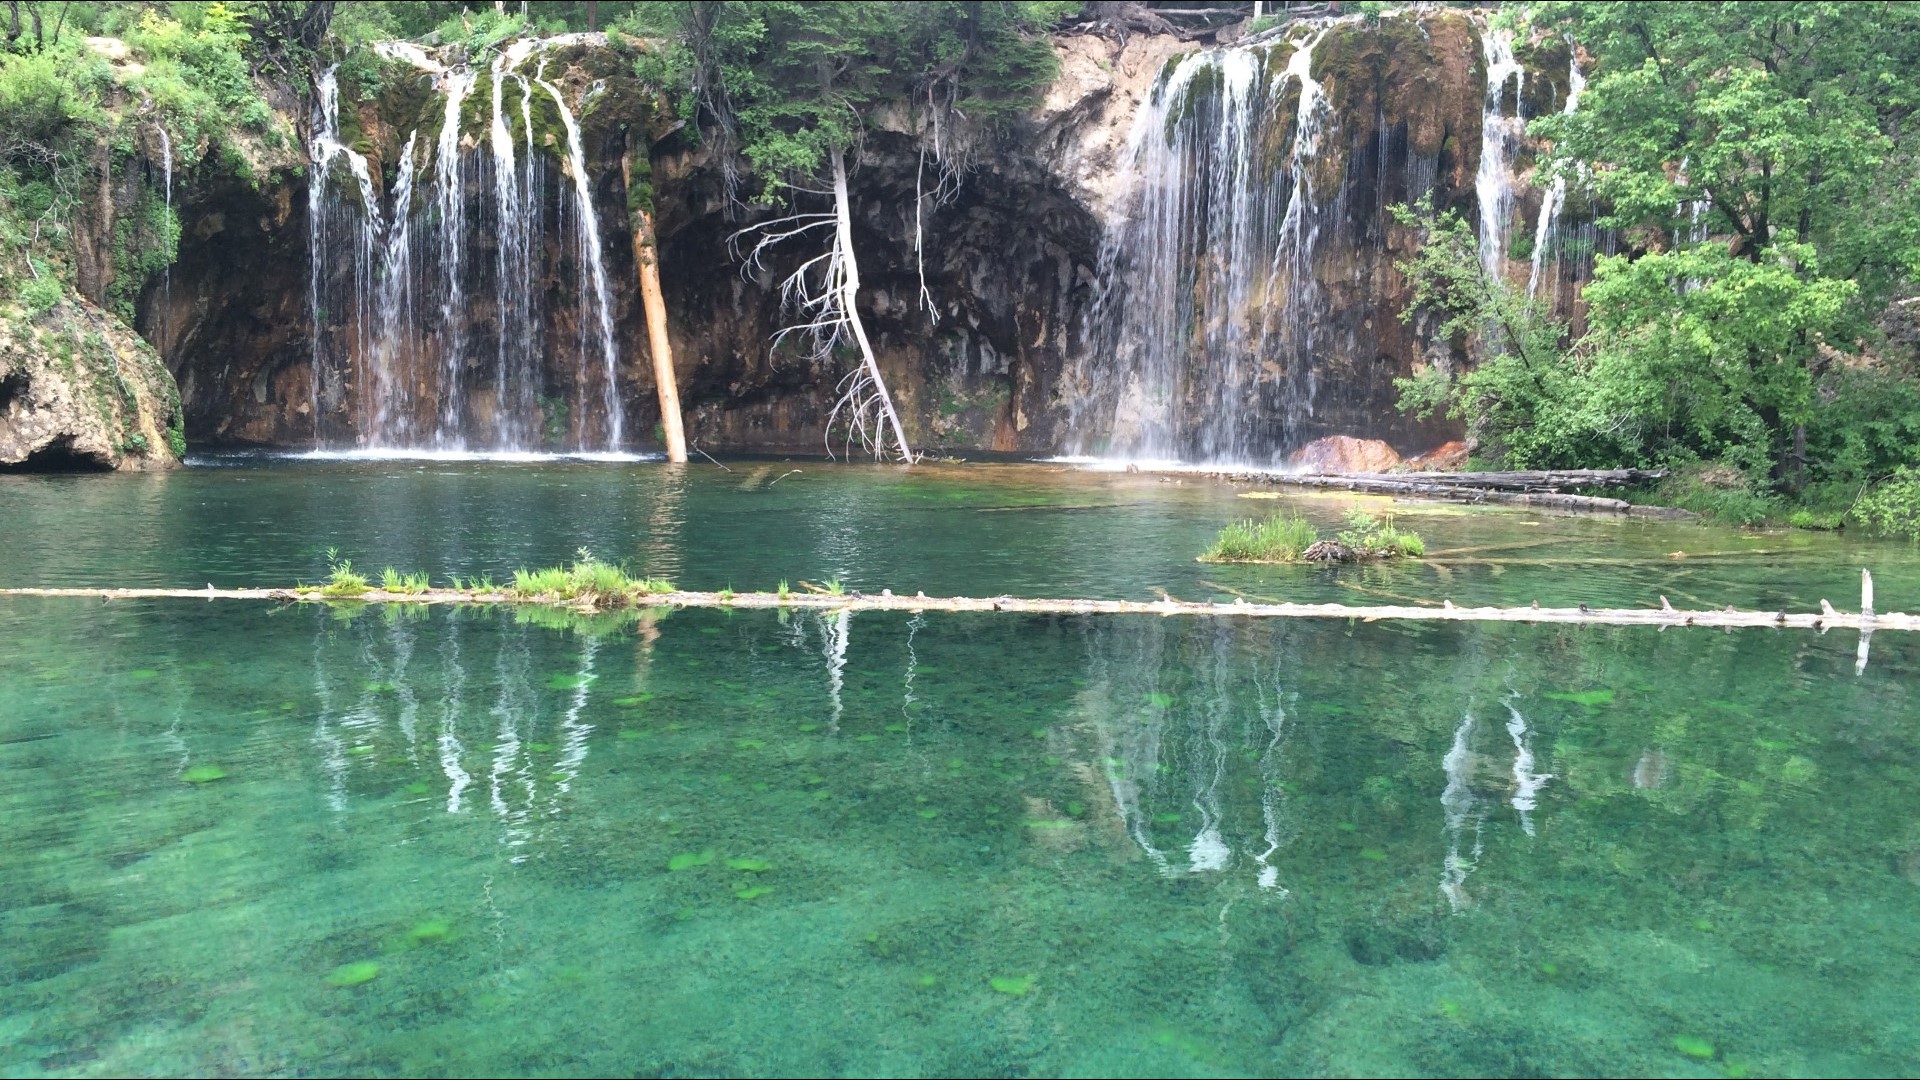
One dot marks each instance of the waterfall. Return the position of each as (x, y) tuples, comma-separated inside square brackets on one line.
[(587, 235), (1556, 197), (166, 273), (322, 222), (391, 344), (400, 294), (1500, 137), (1202, 325), (450, 198), (516, 354)]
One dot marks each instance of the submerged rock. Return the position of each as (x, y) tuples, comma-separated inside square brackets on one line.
[(1343, 453)]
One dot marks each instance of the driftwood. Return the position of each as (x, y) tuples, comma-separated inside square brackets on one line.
[(1867, 620), (1462, 487)]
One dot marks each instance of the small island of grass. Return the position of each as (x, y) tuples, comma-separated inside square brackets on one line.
[(1285, 538)]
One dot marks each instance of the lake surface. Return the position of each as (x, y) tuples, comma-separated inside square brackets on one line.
[(252, 839)]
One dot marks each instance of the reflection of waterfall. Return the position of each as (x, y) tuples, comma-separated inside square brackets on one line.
[(416, 378), (1172, 709), (451, 749), (1462, 814), (1203, 326), (1501, 132), (1526, 782), (370, 694), (837, 627)]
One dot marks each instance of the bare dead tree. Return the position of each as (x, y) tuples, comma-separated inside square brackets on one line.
[(823, 293)]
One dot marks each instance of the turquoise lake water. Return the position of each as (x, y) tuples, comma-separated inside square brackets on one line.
[(264, 840)]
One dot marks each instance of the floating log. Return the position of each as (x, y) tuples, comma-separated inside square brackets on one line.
[(1866, 621), (1422, 486)]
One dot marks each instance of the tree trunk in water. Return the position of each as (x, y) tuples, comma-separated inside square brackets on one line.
[(849, 292), (646, 262)]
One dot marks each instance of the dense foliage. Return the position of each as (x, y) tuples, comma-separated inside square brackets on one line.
[(1756, 161), (785, 81)]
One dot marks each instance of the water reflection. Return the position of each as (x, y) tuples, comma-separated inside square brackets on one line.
[(1231, 829), (526, 743)]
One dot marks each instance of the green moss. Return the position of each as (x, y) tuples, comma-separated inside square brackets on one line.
[(687, 860), (1694, 1047), (1013, 986), (356, 973)]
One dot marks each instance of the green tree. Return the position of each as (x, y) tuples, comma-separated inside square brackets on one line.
[(1751, 155)]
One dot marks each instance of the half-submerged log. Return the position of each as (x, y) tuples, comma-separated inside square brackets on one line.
[(1663, 616), (1518, 489)]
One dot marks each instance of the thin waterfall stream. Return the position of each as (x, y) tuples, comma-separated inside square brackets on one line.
[(467, 368)]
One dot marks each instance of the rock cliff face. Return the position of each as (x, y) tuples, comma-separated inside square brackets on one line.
[(80, 391), (982, 358)]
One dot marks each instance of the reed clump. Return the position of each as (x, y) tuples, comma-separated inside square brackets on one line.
[(1282, 538), (585, 578)]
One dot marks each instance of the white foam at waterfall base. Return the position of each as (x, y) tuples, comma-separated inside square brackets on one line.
[(522, 457)]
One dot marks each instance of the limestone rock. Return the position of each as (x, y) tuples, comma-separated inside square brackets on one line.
[(78, 390)]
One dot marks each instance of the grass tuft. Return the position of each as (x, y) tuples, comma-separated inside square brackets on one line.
[(394, 581), (587, 577), (341, 580), (1280, 538)]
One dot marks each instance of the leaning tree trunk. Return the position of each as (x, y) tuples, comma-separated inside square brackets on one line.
[(646, 261), (849, 292)]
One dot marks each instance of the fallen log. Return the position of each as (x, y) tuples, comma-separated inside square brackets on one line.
[(1866, 621), (1417, 485)]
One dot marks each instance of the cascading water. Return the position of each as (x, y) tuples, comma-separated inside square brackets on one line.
[(166, 273), (1202, 325), (516, 195), (587, 237), (449, 197), (419, 374), (391, 347), (1501, 134), (1544, 234)]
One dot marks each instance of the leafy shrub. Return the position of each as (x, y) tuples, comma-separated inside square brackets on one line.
[(1376, 537), (1280, 538), (39, 294), (1893, 505), (395, 582), (586, 577), (45, 96)]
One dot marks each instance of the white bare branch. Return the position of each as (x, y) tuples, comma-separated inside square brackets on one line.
[(823, 292)]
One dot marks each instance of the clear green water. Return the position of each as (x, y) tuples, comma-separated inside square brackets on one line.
[(715, 844)]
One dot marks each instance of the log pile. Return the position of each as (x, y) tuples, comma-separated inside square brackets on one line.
[(1545, 489)]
